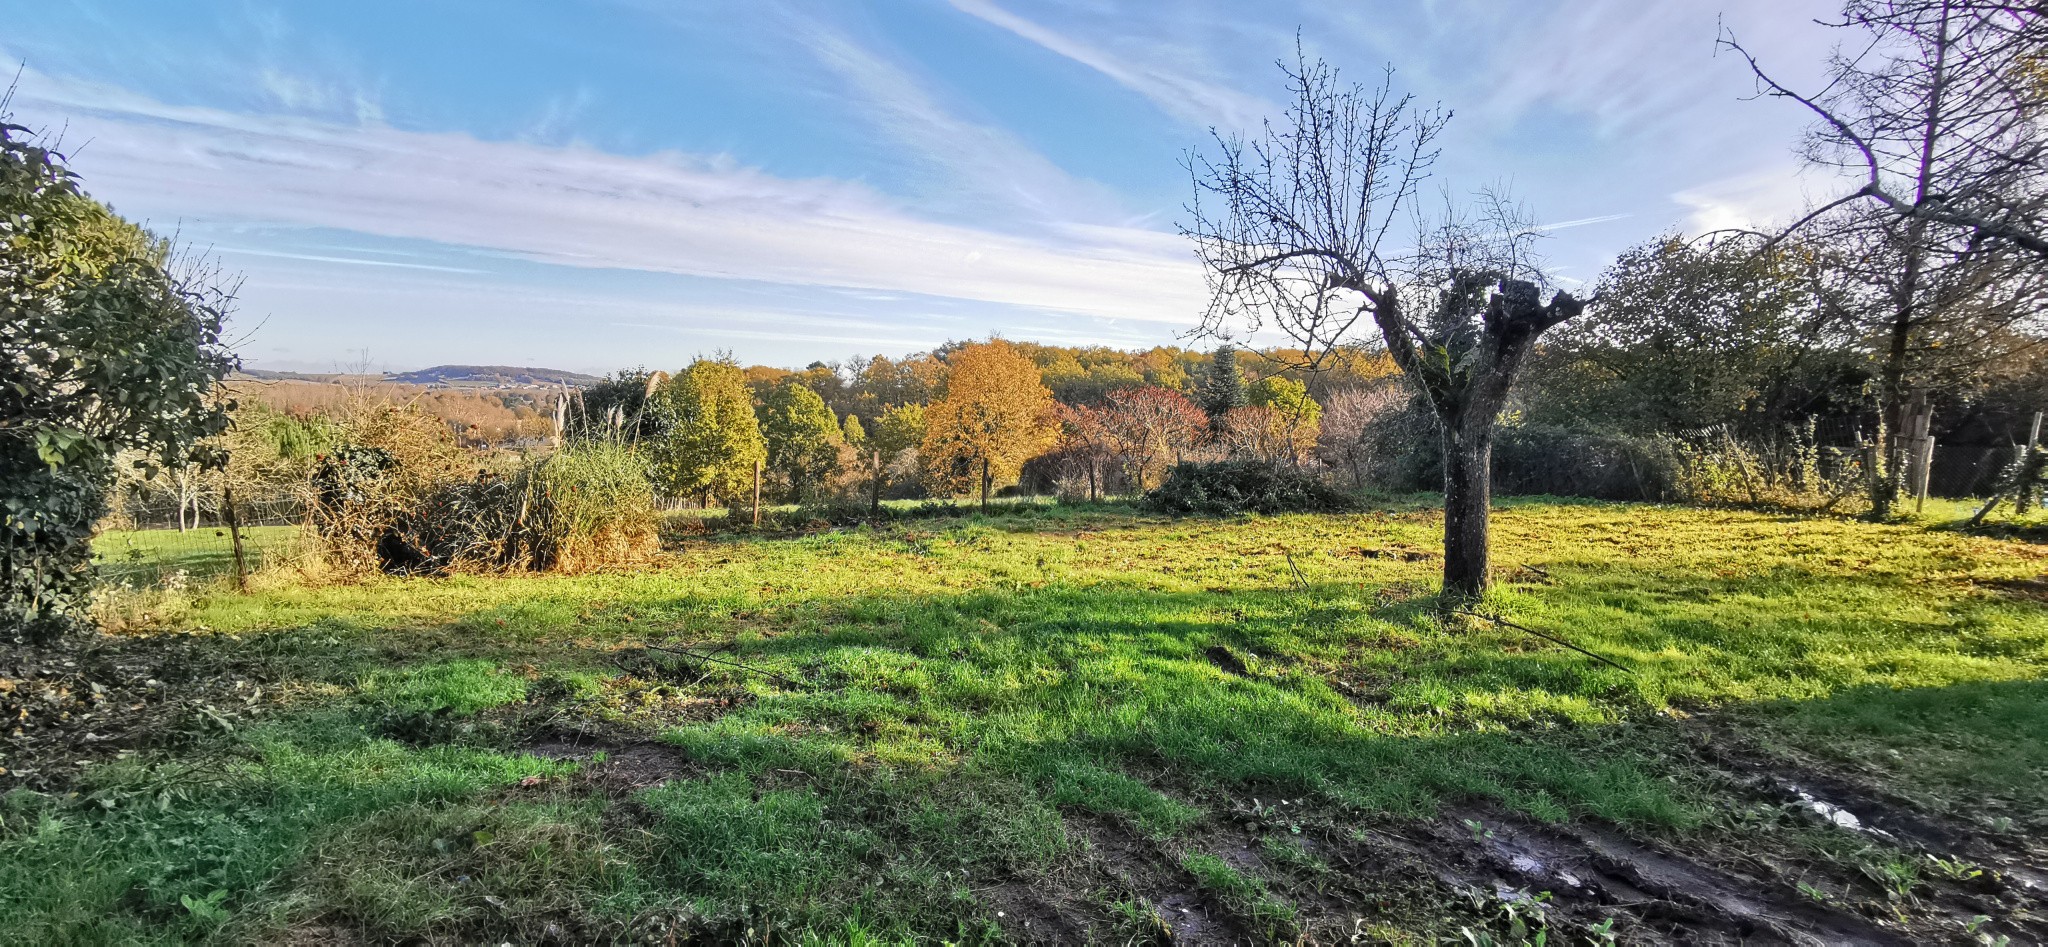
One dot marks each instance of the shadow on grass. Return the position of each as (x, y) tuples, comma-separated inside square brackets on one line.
[(1334, 690), (944, 732)]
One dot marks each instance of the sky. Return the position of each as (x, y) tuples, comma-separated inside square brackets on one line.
[(601, 184)]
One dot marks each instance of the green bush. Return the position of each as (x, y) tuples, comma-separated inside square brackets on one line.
[(1554, 461), (1245, 486), (103, 349)]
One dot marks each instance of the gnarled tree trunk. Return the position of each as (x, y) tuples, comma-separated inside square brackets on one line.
[(1468, 499)]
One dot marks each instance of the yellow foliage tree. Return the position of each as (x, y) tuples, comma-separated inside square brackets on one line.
[(996, 415)]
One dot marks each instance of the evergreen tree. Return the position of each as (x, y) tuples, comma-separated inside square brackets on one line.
[(1223, 387)]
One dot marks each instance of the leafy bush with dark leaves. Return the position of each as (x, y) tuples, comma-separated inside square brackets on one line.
[(104, 348), (1245, 486)]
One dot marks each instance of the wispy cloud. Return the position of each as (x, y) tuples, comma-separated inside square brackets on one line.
[(1751, 201), (979, 167), (349, 260), (1581, 222), (1186, 97), (576, 206)]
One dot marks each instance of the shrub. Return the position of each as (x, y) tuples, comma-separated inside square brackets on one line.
[(1795, 473), (1222, 489), (104, 347), (1554, 461), (586, 506)]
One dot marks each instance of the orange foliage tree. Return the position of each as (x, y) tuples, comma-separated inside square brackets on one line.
[(996, 415)]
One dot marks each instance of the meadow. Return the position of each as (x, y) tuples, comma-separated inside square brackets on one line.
[(1072, 723)]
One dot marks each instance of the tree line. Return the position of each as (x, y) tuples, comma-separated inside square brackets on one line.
[(969, 419)]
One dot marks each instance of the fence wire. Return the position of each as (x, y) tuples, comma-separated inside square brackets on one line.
[(175, 544)]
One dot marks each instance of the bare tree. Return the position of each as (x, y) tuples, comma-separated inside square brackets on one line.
[(1310, 228), (1936, 109), (1349, 420)]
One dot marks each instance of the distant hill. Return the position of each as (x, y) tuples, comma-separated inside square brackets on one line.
[(264, 374), (492, 376), (446, 376)]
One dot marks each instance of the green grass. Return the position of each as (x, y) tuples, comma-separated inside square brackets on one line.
[(146, 557), (930, 708)]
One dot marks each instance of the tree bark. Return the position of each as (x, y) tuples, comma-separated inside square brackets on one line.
[(1468, 498), (1884, 481)]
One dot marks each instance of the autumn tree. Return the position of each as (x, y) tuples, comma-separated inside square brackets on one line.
[(1304, 229), (996, 415), (1293, 416), (1083, 441), (1346, 437), (802, 439), (854, 433), (714, 439)]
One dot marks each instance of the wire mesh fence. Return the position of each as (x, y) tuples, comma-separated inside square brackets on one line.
[(192, 539)]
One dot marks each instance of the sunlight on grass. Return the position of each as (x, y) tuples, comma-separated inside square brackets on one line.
[(895, 712)]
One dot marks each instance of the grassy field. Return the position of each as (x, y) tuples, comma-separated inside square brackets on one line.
[(150, 556), (1065, 724)]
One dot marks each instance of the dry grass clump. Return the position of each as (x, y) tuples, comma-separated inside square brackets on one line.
[(591, 506)]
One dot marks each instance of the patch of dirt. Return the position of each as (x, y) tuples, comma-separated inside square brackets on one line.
[(1593, 874), (627, 765), (1397, 553), (2032, 590), (2000, 876), (1140, 870), (1032, 913), (1191, 919)]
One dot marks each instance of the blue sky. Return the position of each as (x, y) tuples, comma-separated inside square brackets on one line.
[(597, 184)]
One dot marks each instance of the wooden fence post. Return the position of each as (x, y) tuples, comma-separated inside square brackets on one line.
[(1926, 474), (227, 502), (2023, 500), (757, 493)]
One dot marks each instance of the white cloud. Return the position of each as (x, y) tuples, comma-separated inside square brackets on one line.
[(1752, 201), (576, 206)]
